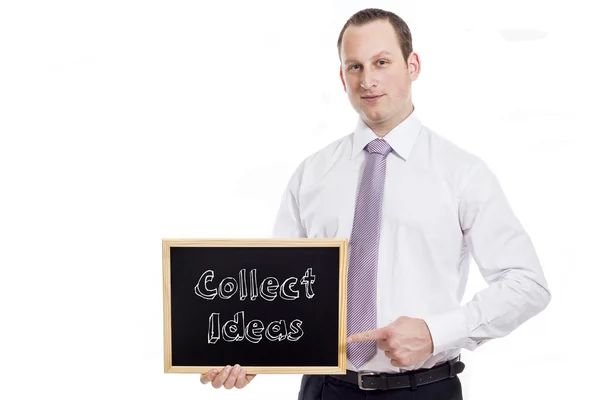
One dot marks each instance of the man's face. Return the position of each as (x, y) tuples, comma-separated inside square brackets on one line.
[(375, 75)]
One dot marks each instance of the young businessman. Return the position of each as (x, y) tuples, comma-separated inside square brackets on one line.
[(414, 206)]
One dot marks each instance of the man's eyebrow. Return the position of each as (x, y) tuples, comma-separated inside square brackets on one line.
[(378, 55)]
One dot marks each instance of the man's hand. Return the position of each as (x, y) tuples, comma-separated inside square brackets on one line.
[(406, 341), (228, 377)]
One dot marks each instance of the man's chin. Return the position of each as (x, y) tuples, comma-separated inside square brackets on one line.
[(373, 118)]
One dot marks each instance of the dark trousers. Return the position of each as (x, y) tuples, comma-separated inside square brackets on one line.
[(323, 387)]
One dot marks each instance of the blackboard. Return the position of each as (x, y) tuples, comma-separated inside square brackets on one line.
[(273, 306)]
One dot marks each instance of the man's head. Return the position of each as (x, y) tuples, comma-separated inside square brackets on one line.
[(377, 67)]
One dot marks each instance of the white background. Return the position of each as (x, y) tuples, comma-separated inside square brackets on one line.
[(125, 122)]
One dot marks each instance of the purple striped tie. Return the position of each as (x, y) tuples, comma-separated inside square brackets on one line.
[(364, 251)]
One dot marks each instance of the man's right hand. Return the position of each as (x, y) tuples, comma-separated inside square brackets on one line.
[(228, 377)]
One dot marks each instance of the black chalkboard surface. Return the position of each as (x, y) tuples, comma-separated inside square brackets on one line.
[(272, 305)]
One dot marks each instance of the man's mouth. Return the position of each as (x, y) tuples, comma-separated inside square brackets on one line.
[(371, 99)]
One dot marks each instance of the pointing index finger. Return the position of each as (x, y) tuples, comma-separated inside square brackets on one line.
[(375, 334)]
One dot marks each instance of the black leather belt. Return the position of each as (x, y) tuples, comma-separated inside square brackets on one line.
[(370, 380)]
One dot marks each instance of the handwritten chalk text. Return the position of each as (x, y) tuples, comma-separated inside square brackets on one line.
[(268, 290), (236, 329)]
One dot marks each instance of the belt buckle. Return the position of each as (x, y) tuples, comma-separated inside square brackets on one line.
[(361, 374)]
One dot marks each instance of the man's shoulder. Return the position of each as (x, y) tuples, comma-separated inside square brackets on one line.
[(325, 155), (449, 152), (331, 149)]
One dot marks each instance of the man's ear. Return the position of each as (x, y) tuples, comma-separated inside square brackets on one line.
[(414, 66), (342, 77)]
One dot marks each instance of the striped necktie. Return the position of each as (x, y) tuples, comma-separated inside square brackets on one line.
[(364, 252)]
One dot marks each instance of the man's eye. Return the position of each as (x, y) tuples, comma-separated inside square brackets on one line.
[(382, 62), (355, 65)]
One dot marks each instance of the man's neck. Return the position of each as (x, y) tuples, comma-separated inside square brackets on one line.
[(386, 127)]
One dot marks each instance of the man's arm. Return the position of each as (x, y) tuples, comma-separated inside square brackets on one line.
[(517, 289), (288, 223)]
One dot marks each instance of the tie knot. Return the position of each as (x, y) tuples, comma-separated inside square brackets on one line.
[(379, 146)]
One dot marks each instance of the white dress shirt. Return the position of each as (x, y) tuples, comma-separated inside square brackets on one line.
[(441, 204)]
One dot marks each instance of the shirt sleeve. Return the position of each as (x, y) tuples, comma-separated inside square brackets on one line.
[(288, 224), (517, 289)]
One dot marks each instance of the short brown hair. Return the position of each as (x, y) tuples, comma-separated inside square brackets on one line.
[(374, 14)]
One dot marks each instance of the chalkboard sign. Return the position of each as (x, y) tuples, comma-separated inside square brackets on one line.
[(273, 306)]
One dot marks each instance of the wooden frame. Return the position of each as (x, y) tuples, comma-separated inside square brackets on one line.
[(301, 242)]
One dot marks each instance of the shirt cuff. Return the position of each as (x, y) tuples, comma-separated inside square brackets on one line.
[(448, 330)]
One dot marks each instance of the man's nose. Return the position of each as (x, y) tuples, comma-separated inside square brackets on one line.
[(368, 80)]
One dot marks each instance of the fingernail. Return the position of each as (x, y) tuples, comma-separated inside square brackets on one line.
[(228, 368), (236, 368), (213, 372)]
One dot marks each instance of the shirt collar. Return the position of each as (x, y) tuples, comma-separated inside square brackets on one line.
[(402, 138)]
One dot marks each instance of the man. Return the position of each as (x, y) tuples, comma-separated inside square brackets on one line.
[(413, 206)]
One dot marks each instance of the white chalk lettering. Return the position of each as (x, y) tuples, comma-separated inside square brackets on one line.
[(253, 285), (243, 285), (254, 331), (227, 288), (276, 331), (214, 333), (268, 290), (203, 290), (287, 285), (307, 280), (233, 330), (295, 330)]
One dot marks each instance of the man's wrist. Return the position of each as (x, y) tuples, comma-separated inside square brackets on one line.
[(447, 330)]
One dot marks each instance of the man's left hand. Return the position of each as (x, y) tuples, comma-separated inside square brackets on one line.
[(406, 341)]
